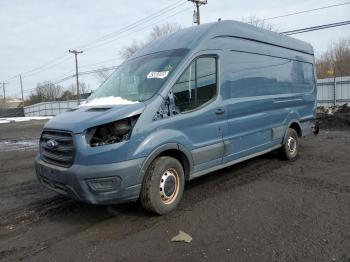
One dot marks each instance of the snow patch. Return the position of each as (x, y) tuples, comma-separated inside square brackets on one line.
[(22, 119), (107, 101)]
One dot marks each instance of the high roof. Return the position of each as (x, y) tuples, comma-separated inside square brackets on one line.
[(196, 37)]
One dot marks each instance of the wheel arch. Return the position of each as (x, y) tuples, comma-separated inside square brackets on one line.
[(294, 124), (175, 150)]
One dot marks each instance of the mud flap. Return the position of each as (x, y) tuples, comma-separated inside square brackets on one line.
[(316, 128)]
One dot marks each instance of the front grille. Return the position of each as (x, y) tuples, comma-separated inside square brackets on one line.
[(62, 153)]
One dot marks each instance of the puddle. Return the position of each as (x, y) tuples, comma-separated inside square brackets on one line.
[(14, 145)]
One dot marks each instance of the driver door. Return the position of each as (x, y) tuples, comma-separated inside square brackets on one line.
[(198, 113)]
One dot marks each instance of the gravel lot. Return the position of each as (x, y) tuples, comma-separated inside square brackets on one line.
[(263, 209)]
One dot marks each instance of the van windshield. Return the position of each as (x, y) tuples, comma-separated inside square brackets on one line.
[(141, 78)]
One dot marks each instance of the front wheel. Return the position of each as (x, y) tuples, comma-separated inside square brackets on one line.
[(290, 148), (163, 185)]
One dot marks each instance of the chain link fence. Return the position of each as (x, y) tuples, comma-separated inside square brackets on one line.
[(50, 108)]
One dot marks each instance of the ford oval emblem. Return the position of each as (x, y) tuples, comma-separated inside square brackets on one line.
[(52, 144)]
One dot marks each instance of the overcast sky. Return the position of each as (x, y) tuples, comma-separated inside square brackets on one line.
[(34, 32)]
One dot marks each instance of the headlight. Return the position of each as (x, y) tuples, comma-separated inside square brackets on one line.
[(110, 133)]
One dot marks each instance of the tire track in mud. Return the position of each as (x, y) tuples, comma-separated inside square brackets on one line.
[(197, 190), (17, 221), (23, 252), (33, 213), (220, 180), (24, 188), (21, 168), (130, 212), (264, 168)]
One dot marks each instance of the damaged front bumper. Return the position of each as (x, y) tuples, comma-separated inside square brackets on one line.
[(96, 184)]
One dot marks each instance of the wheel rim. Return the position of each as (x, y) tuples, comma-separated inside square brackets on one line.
[(169, 186), (292, 145)]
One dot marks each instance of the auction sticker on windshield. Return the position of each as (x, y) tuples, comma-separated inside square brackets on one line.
[(161, 74)]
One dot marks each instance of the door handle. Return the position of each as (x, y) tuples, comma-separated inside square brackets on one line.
[(219, 111)]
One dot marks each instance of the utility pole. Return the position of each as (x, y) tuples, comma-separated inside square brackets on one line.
[(4, 91), (20, 81), (334, 85), (75, 52), (196, 15)]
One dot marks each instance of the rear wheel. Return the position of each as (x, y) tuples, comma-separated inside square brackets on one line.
[(163, 185), (290, 148)]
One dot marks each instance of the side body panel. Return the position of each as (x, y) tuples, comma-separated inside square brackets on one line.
[(265, 88)]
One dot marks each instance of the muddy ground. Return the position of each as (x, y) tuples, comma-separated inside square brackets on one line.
[(263, 209)]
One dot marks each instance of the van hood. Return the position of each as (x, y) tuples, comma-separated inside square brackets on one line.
[(77, 120)]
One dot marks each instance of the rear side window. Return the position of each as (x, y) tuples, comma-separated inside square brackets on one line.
[(291, 76), (197, 85), (305, 81), (248, 75)]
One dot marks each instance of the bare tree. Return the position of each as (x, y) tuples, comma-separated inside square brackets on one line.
[(258, 22), (157, 32), (46, 91), (336, 60), (67, 95), (128, 51), (83, 88)]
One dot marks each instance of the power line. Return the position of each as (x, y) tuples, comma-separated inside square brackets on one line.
[(291, 32), (113, 38), (306, 11), (85, 73), (80, 73), (101, 62), (54, 62), (62, 58), (315, 28), (138, 22), (99, 70), (49, 66)]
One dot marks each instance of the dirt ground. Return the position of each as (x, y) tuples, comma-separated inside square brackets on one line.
[(263, 209)]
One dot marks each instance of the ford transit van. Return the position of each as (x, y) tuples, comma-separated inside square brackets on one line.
[(190, 103)]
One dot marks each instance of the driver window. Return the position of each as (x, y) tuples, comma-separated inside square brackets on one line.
[(197, 85)]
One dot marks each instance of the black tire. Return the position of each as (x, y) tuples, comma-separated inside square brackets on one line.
[(290, 148), (163, 185)]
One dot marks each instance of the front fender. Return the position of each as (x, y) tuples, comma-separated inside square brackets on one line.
[(160, 149), (160, 137)]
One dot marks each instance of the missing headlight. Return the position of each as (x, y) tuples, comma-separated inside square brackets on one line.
[(111, 133)]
